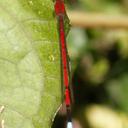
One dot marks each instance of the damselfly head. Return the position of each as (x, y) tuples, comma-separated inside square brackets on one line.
[(59, 7)]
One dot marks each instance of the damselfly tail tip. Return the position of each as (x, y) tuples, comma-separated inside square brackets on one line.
[(69, 125)]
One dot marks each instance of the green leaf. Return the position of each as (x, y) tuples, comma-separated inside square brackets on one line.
[(30, 82)]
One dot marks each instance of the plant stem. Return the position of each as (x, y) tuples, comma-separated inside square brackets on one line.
[(93, 20)]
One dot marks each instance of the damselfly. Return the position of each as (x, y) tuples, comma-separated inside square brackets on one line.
[(60, 13)]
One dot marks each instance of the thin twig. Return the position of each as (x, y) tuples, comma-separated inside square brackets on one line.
[(2, 109), (2, 122), (92, 20)]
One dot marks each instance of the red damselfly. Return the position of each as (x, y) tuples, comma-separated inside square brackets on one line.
[(60, 13)]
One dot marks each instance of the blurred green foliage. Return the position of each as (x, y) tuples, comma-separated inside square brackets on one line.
[(100, 60)]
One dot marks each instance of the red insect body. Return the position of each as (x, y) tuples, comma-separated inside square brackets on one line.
[(60, 12), (67, 98), (63, 53)]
